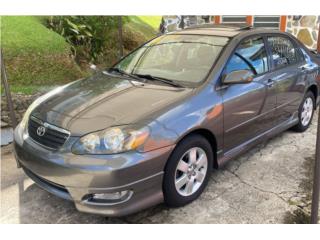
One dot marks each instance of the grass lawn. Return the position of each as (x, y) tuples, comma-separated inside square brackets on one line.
[(153, 21), (147, 25), (36, 56), (25, 35)]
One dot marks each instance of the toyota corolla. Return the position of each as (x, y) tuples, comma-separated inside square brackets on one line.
[(151, 128)]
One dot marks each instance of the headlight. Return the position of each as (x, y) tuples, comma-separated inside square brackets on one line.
[(111, 140)]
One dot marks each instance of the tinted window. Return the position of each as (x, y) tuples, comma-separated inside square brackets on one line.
[(250, 55), (237, 63), (283, 51)]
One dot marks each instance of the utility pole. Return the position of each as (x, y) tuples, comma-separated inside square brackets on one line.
[(7, 92), (316, 180), (316, 176), (318, 45), (120, 37)]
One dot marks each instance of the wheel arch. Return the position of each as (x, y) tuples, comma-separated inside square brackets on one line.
[(209, 136), (314, 89)]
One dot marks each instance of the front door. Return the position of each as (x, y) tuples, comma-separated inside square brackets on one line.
[(248, 107)]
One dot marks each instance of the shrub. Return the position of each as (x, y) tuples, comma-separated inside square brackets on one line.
[(88, 35)]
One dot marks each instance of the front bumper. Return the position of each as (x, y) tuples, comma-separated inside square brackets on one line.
[(74, 177)]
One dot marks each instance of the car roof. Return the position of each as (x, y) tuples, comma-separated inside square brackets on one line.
[(203, 31), (224, 30)]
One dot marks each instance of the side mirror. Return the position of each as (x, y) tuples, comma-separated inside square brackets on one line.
[(238, 76)]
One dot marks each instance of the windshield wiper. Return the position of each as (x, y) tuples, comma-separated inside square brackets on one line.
[(146, 76), (118, 70), (160, 79)]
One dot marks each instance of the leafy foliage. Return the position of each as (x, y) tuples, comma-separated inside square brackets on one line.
[(88, 35)]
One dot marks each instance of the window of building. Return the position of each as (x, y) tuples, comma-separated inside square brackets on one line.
[(270, 21), (266, 21), (234, 19)]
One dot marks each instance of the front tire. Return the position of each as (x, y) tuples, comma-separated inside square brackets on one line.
[(306, 111), (187, 171)]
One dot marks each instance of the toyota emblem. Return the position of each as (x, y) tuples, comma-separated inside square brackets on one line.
[(41, 131)]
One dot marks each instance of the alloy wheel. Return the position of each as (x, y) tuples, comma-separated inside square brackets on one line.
[(307, 111), (191, 171)]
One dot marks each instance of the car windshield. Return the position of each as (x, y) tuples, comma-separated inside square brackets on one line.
[(180, 58)]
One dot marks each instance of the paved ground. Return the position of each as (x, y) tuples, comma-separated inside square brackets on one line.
[(6, 136), (269, 184)]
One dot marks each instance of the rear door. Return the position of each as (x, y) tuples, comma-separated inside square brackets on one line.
[(248, 108), (288, 75)]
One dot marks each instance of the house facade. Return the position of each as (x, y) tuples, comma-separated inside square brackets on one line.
[(305, 28)]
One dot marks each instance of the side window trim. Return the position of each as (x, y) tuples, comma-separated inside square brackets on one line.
[(269, 53)]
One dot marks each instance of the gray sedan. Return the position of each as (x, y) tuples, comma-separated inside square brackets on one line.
[(152, 127)]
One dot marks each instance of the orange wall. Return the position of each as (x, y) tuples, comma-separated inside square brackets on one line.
[(250, 20), (217, 19), (283, 23)]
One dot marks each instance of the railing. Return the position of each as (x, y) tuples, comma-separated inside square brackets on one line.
[(6, 86)]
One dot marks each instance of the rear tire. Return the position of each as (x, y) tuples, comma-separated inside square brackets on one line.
[(306, 112), (187, 171)]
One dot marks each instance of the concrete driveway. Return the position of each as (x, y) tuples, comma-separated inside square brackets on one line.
[(269, 184)]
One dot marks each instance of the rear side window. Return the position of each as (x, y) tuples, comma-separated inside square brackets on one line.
[(250, 55), (283, 52)]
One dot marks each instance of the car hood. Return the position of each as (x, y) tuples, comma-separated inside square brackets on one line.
[(104, 100)]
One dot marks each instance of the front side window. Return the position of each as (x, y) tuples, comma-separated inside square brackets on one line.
[(250, 55), (183, 58), (283, 52)]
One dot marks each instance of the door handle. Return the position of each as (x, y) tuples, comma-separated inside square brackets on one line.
[(270, 83)]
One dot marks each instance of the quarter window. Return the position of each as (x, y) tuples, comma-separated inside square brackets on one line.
[(250, 55), (283, 52)]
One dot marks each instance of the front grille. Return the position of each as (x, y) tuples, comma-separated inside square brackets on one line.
[(53, 137)]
